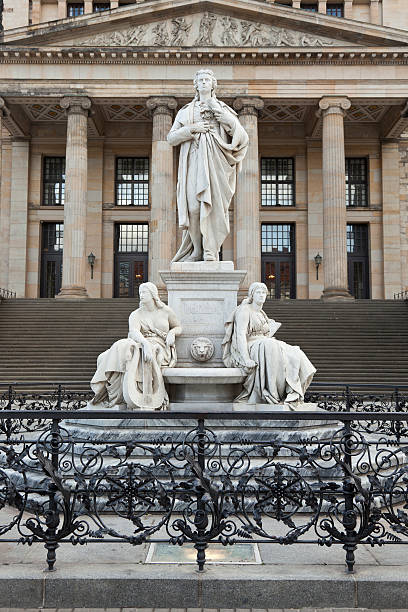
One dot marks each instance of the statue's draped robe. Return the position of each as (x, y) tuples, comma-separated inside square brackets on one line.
[(123, 376), (207, 171), (283, 372)]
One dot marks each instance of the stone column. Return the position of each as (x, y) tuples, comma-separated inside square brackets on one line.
[(296, 4), (114, 4), (391, 217), (18, 216), (163, 214), (246, 207), (322, 6), (334, 205), (88, 7), (62, 9), (375, 11), (76, 192), (348, 9)]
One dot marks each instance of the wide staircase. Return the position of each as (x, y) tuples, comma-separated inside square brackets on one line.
[(51, 340)]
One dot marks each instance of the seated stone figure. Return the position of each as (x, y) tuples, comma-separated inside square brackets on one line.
[(130, 370), (276, 372)]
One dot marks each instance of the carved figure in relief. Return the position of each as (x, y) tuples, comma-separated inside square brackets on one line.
[(202, 349), (207, 24), (130, 370), (161, 35), (252, 34), (179, 31), (229, 31), (276, 372), (213, 145)]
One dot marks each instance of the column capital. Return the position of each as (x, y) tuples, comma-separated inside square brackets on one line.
[(334, 105), (247, 105), (76, 104), (161, 105)]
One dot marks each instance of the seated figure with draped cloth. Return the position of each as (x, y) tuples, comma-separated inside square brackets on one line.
[(276, 372), (130, 371)]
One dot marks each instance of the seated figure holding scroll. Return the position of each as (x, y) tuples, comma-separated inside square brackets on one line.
[(130, 371), (276, 372)]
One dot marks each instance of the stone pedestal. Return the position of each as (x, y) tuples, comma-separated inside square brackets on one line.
[(203, 294)]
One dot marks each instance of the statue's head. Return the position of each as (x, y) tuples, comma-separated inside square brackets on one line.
[(202, 349), (253, 288), (209, 73), (150, 289)]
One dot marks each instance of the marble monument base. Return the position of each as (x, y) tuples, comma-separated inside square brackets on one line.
[(203, 385), (203, 295)]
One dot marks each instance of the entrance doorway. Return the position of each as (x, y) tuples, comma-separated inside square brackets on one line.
[(52, 244), (131, 254), (357, 261), (278, 260)]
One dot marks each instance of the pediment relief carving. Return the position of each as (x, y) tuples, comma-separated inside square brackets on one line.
[(207, 30)]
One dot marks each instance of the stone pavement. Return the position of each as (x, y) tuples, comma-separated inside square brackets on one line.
[(199, 610)]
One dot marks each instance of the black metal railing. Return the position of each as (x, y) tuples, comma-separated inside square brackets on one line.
[(6, 294), (230, 477)]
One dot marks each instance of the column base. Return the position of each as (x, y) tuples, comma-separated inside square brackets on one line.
[(72, 293), (336, 294)]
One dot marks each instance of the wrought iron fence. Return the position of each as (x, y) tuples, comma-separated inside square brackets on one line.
[(343, 484), (5, 294)]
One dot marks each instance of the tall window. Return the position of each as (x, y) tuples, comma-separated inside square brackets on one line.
[(277, 181), (132, 181), (131, 254), (335, 10), (132, 238), (278, 260), (358, 261), (98, 7), (356, 181), (75, 9), (309, 6), (54, 181)]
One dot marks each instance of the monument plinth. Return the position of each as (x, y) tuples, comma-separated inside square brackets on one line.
[(203, 294)]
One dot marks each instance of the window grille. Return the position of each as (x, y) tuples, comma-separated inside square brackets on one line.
[(132, 181), (54, 181), (52, 237), (98, 7), (357, 239), (132, 238), (75, 9), (277, 238), (277, 181), (356, 182), (335, 10)]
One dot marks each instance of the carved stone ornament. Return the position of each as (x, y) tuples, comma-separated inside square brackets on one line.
[(207, 30), (202, 349)]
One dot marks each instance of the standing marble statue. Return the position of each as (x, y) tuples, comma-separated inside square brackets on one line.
[(213, 144), (130, 370), (276, 372)]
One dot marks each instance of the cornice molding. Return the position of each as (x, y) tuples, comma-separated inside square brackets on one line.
[(269, 56)]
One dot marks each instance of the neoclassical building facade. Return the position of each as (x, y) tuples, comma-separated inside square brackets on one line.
[(89, 91)]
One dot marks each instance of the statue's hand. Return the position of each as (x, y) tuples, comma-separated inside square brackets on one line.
[(223, 117), (147, 352), (171, 338), (201, 127)]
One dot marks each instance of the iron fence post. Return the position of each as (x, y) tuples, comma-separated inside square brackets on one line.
[(201, 519), (52, 515), (349, 515)]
